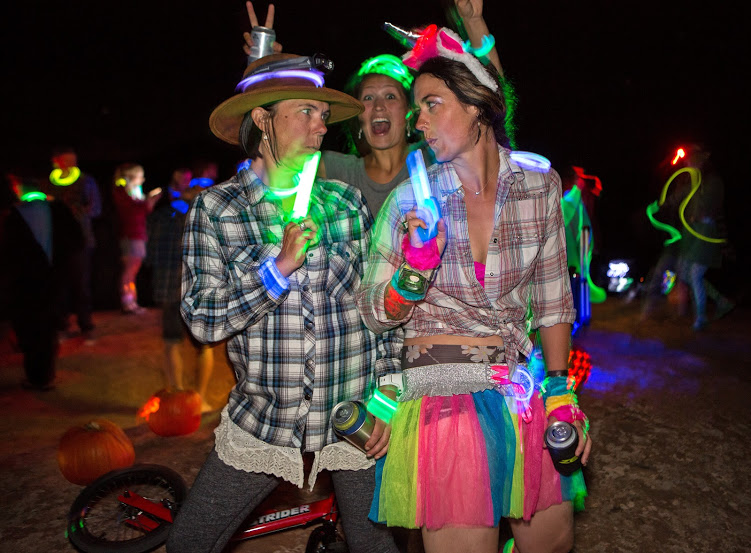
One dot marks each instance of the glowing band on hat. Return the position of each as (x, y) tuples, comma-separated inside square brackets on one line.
[(33, 196), (531, 161), (387, 65), (57, 179), (315, 77)]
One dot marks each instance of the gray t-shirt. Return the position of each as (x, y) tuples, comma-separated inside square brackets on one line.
[(351, 169)]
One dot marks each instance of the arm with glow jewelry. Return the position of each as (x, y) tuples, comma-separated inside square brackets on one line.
[(470, 14), (220, 299)]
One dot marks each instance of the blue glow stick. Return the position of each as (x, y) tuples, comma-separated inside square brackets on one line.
[(305, 186), (427, 206)]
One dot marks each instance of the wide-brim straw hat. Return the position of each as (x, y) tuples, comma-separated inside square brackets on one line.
[(226, 119)]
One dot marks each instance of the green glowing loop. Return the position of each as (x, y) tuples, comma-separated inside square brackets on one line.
[(381, 406), (672, 231), (488, 41), (388, 65), (57, 179), (33, 196)]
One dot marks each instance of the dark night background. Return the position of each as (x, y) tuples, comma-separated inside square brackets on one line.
[(613, 87)]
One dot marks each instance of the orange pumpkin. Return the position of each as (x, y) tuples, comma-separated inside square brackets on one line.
[(90, 450), (173, 412)]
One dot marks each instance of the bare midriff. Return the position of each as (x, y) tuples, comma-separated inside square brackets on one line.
[(453, 340)]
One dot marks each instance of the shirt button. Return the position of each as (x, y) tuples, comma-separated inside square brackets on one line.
[(495, 240), (308, 397), (492, 274), (305, 288), (309, 326), (308, 362)]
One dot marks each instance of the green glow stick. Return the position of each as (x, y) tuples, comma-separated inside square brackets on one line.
[(672, 231), (305, 186), (381, 406), (31, 196)]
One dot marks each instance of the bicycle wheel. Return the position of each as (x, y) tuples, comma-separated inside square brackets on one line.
[(325, 539), (98, 522)]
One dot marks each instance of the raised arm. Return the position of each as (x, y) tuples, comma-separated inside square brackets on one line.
[(470, 12)]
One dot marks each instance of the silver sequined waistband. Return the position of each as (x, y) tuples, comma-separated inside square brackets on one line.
[(447, 379)]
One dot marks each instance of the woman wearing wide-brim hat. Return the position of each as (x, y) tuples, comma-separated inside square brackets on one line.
[(280, 288)]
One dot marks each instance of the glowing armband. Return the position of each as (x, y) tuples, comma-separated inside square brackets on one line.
[(305, 180), (33, 196), (427, 206), (531, 161), (315, 77), (275, 282), (381, 406), (57, 180), (488, 41), (203, 182)]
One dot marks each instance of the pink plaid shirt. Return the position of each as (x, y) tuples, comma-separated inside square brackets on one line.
[(526, 263)]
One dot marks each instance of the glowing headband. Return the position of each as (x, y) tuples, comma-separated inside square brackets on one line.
[(434, 42), (388, 65), (315, 77), (55, 176)]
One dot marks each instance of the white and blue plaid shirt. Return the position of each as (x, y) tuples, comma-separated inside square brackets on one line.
[(296, 350)]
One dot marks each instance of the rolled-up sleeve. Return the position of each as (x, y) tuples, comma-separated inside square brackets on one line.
[(218, 301), (551, 298)]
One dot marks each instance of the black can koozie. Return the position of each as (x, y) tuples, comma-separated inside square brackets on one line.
[(562, 439)]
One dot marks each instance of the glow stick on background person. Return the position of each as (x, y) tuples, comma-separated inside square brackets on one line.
[(427, 206), (305, 186)]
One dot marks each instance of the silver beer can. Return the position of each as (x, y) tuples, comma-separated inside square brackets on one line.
[(353, 422), (263, 40), (561, 438)]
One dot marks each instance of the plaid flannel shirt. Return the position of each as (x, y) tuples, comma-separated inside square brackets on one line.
[(525, 267), (298, 351)]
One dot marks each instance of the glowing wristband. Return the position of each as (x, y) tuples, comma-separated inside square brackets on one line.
[(276, 283), (33, 196), (305, 181), (556, 385), (424, 258), (381, 406), (57, 180), (488, 41), (406, 294)]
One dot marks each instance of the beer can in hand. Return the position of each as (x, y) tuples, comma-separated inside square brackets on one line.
[(353, 422), (562, 439), (263, 40)]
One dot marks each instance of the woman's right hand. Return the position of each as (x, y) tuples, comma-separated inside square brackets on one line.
[(297, 237), (254, 23), (413, 221)]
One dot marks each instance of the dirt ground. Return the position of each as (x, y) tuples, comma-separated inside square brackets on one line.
[(669, 411)]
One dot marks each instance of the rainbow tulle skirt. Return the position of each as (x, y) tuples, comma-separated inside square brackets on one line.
[(468, 460)]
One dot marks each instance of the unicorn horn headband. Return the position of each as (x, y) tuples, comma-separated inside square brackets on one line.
[(443, 42)]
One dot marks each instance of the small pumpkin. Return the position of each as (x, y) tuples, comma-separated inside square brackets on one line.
[(90, 450), (173, 412)]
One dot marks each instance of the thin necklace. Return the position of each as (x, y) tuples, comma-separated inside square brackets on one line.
[(486, 184)]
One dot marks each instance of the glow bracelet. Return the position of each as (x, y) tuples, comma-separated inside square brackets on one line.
[(427, 206), (57, 180), (381, 406), (305, 181), (33, 196)]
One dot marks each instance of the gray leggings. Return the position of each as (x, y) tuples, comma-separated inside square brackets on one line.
[(222, 497)]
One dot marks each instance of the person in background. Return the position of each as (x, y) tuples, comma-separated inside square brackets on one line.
[(132, 207), (164, 255), (380, 138), (205, 173), (464, 453), (40, 238), (80, 193), (280, 289)]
